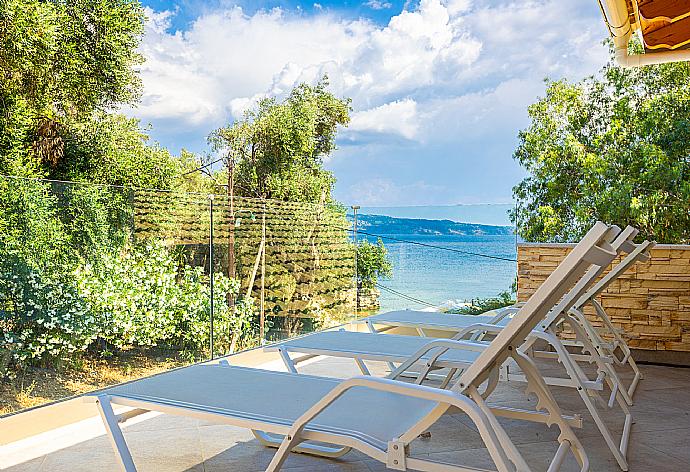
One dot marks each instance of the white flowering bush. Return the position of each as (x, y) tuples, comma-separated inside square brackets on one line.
[(133, 294), (142, 298), (71, 282), (44, 319)]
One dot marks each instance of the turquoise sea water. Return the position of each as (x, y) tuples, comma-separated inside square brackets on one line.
[(437, 276)]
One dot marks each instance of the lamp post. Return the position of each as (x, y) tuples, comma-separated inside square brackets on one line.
[(354, 210)]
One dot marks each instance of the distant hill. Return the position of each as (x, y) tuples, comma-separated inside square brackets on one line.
[(380, 224), (495, 214)]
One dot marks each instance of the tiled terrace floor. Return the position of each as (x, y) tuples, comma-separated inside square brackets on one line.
[(660, 439)]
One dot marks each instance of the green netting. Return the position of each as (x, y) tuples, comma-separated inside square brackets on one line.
[(308, 262)]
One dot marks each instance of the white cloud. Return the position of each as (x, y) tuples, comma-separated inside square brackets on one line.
[(457, 6), (446, 71), (227, 59), (398, 117), (378, 5)]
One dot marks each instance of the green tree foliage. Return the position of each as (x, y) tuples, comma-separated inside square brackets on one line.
[(61, 62), (372, 263), (71, 273), (615, 147), (112, 149), (277, 150)]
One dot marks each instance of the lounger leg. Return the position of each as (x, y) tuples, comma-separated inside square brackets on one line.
[(624, 346), (362, 366), (618, 451), (507, 446), (272, 440), (117, 440), (281, 455), (596, 350), (372, 329), (289, 364), (546, 401)]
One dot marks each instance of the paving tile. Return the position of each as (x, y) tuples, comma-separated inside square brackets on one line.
[(165, 449), (164, 443), (33, 465), (95, 454), (161, 422), (674, 443), (448, 434)]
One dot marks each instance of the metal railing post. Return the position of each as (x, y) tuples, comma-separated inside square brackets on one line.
[(354, 209), (210, 269)]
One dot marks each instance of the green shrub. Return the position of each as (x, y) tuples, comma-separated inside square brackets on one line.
[(232, 327), (482, 305), (44, 319), (372, 263), (29, 225), (141, 299), (133, 295)]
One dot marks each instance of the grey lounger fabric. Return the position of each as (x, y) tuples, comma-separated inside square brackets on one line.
[(386, 348), (280, 398)]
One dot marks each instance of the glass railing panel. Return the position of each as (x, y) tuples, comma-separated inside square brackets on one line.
[(293, 262), (105, 284), (98, 285), (438, 263)]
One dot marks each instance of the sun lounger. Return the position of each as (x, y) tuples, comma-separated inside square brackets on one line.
[(379, 417), (615, 342), (461, 326), (398, 349)]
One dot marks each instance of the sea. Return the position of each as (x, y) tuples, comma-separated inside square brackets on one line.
[(427, 274)]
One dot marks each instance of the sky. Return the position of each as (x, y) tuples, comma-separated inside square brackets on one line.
[(439, 88)]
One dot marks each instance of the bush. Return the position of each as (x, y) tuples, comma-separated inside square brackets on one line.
[(372, 263), (69, 277), (232, 328), (44, 319), (141, 299), (483, 305), (133, 295)]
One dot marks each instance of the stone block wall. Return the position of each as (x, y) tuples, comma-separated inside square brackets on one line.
[(651, 301)]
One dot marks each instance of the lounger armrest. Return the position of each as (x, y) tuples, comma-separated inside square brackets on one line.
[(489, 328), (457, 344), (509, 309), (441, 346)]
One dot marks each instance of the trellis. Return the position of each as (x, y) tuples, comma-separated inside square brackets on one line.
[(295, 258)]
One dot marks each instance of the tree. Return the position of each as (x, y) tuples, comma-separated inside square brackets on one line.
[(60, 62), (614, 147), (112, 149), (277, 150), (372, 263)]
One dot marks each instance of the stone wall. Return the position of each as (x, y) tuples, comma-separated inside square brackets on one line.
[(651, 301)]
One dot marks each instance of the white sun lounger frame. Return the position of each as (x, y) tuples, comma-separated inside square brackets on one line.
[(545, 332), (464, 395), (607, 349)]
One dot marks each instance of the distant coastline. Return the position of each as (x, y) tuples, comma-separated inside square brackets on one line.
[(382, 224), (492, 214)]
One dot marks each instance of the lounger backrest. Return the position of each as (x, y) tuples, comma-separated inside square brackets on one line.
[(619, 243), (640, 252), (593, 249)]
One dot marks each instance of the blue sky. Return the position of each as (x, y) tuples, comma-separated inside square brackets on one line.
[(440, 88)]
